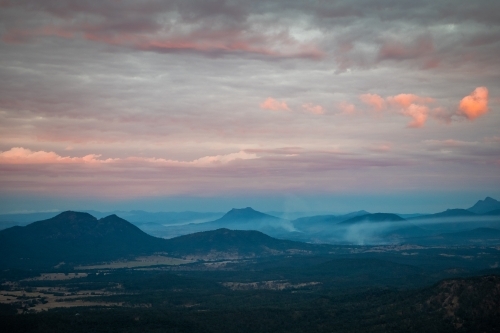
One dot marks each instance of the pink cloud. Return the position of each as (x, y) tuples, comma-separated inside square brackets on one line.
[(259, 170), (475, 104), (373, 100), (19, 155), (417, 107), (346, 108), (382, 148), (313, 108), (419, 113), (274, 105), (409, 105), (405, 100), (202, 161)]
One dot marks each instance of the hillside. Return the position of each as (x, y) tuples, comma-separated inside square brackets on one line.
[(484, 206), (449, 213), (311, 221), (373, 218), (235, 243), (74, 237), (237, 219)]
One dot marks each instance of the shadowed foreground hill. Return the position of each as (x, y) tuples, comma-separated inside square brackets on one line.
[(74, 237), (240, 243)]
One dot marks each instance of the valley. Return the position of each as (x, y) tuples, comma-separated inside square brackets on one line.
[(80, 273)]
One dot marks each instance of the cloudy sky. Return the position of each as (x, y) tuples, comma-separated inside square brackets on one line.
[(387, 105)]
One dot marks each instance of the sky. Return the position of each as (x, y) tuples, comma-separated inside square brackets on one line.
[(205, 105)]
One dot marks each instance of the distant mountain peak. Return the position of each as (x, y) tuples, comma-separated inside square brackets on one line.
[(485, 206), (247, 213), (375, 217), (246, 209)]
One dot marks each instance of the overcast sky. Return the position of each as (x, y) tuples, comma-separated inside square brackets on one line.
[(388, 105)]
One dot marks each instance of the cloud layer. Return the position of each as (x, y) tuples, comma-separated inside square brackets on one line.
[(191, 96)]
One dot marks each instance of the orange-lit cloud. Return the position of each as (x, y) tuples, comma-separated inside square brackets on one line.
[(373, 100), (476, 104), (419, 113), (410, 105), (405, 100), (313, 108), (274, 105)]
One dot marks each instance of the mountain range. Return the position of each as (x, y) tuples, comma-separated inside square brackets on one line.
[(113, 236), (78, 238)]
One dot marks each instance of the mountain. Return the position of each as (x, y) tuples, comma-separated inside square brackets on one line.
[(374, 218), (224, 242), (447, 214), (145, 220), (244, 214), (238, 219), (484, 206), (80, 238), (310, 220), (74, 237)]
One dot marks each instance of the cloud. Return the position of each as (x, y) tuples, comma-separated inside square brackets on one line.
[(20, 155), (398, 51), (213, 29), (346, 108), (405, 100), (381, 148), (313, 108), (176, 82), (202, 161), (373, 100), (419, 113), (410, 105), (475, 104), (274, 105), (413, 106)]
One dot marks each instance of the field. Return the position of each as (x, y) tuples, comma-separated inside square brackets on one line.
[(145, 261)]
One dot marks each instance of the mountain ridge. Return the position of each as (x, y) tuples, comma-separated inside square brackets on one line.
[(77, 238), (485, 206), (374, 218)]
